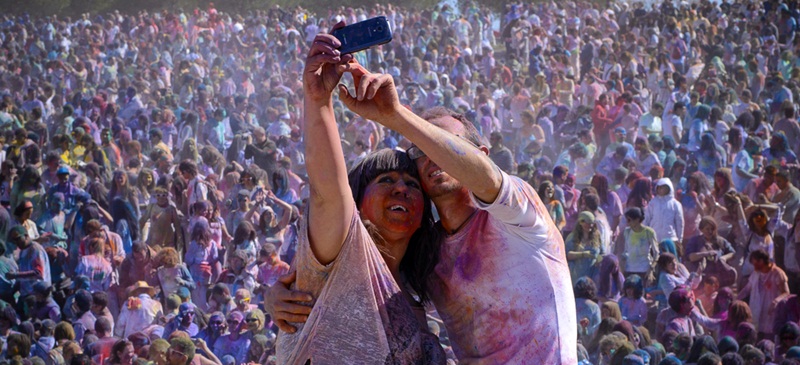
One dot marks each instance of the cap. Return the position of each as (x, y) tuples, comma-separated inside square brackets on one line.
[(183, 293), (586, 216), (244, 192), (62, 170), (621, 130)]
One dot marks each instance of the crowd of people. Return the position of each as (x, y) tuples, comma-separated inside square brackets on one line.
[(554, 183)]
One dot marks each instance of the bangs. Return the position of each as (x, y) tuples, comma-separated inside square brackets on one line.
[(375, 164)]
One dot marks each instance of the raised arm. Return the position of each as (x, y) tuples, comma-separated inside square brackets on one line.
[(330, 201), (376, 99)]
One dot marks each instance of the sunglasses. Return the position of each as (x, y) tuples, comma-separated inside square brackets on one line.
[(233, 322), (241, 198), (161, 195), (218, 323), (251, 320)]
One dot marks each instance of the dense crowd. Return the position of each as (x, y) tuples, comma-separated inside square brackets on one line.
[(154, 181)]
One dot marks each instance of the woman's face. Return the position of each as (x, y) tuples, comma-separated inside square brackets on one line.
[(393, 201), (586, 226), (126, 355), (760, 220), (708, 231), (120, 179), (160, 358), (671, 267), (148, 179)]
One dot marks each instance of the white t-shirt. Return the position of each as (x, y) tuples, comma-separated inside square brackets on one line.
[(503, 287), (673, 121)]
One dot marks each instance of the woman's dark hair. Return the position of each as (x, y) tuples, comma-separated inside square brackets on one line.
[(244, 232), (600, 183), (422, 254), (702, 345), (119, 346), (752, 225), (586, 289), (641, 193), (634, 282), (280, 181), (634, 213), (663, 260), (123, 210), (542, 187)]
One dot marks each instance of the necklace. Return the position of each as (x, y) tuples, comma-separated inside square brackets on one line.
[(463, 223)]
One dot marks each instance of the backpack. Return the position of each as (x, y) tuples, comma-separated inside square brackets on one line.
[(212, 196)]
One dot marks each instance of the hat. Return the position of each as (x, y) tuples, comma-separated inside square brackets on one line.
[(183, 293), (141, 287), (62, 170), (793, 353), (586, 216), (620, 130)]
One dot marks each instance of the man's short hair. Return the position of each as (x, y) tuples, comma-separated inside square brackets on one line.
[(103, 325), (760, 255), (185, 346), (471, 133), (188, 166)]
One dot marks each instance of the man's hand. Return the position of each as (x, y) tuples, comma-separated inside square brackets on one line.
[(376, 95), (281, 303), (320, 75)]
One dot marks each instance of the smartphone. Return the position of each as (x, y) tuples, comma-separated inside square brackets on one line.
[(362, 35)]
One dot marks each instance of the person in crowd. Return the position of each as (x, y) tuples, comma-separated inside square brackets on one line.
[(124, 134), (766, 287)]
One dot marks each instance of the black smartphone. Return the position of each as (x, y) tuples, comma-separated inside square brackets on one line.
[(362, 35)]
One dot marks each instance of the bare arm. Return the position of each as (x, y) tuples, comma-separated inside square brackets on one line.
[(330, 202), (376, 99)]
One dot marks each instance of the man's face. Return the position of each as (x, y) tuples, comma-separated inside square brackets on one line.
[(680, 112), (259, 136), (782, 182), (176, 357), (434, 180), (759, 265), (21, 240)]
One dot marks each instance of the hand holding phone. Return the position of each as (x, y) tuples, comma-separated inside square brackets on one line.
[(362, 35)]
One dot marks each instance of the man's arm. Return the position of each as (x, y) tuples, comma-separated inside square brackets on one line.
[(376, 99)]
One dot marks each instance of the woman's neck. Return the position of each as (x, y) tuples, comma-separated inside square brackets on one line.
[(393, 252)]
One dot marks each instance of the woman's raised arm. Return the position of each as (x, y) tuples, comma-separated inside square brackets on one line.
[(330, 201)]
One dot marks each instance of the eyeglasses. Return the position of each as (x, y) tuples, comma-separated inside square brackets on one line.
[(161, 195), (233, 322), (241, 198), (189, 313), (251, 320), (218, 323)]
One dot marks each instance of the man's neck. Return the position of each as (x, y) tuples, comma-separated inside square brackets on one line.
[(454, 210)]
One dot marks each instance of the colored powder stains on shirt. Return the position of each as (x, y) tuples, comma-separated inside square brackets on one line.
[(360, 316), (518, 308)]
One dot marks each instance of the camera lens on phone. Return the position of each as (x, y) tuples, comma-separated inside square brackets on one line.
[(379, 29)]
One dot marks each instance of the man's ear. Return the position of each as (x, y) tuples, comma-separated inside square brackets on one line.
[(484, 149)]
